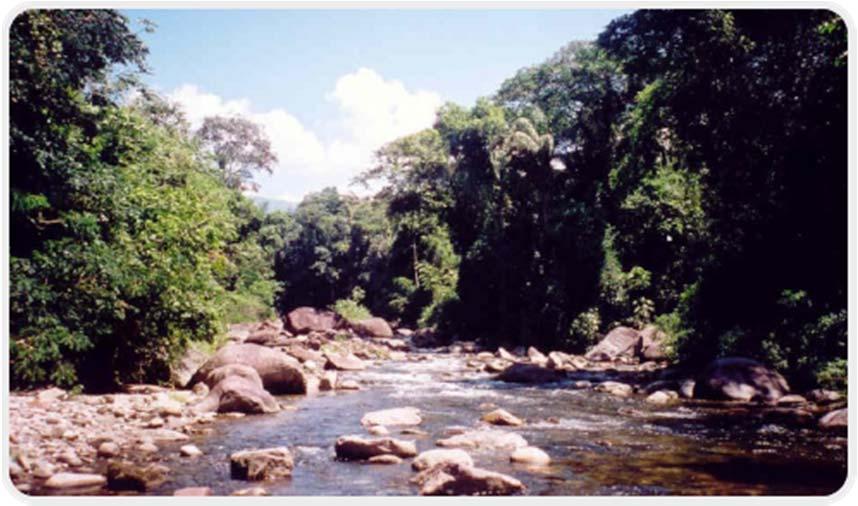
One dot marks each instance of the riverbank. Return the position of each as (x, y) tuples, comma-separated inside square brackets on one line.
[(588, 417)]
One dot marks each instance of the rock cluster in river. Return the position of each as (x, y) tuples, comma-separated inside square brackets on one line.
[(83, 442)]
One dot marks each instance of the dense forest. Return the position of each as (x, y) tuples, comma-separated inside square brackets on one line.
[(687, 169)]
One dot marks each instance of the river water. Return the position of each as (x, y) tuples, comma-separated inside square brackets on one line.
[(600, 444)]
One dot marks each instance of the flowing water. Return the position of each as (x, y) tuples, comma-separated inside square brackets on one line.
[(677, 449)]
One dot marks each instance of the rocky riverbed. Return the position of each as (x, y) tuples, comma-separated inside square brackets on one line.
[(352, 413)]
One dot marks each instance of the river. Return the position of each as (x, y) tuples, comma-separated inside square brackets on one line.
[(599, 444)]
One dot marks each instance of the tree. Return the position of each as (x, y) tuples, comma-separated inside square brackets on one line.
[(239, 147)]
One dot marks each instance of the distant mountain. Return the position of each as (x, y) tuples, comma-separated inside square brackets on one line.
[(271, 205)]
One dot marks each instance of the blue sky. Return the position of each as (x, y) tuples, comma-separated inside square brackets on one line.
[(330, 87)]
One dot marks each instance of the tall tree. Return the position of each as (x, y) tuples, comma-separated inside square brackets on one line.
[(239, 147)]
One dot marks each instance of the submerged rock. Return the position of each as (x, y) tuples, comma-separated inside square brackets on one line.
[(392, 417), (615, 388), (258, 465), (740, 379), (457, 479), (360, 448), (384, 460), (485, 439), (530, 455)]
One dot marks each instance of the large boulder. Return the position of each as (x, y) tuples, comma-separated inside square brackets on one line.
[(280, 373), (491, 439), (620, 342), (238, 394), (740, 379), (431, 458), (372, 327), (221, 373), (303, 320), (653, 343), (266, 464), (267, 337), (529, 373), (458, 479), (392, 417), (361, 448), (183, 369)]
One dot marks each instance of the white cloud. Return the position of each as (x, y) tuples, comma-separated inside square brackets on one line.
[(371, 111)]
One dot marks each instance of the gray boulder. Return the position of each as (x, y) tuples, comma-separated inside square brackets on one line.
[(620, 342), (280, 373), (304, 320), (740, 379)]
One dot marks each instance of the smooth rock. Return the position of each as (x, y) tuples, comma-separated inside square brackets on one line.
[(662, 397), (431, 458), (385, 459), (372, 327), (265, 464), (190, 451), (279, 372), (75, 480), (392, 417), (740, 379), (304, 320), (456, 479), (615, 388), (619, 342), (502, 417), (193, 491), (484, 439), (360, 448), (344, 362), (834, 420), (238, 394), (530, 455), (251, 492)]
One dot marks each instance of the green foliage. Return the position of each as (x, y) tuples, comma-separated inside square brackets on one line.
[(351, 309), (686, 169), (126, 247)]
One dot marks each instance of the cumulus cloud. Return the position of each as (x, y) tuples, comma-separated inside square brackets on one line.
[(371, 111)]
